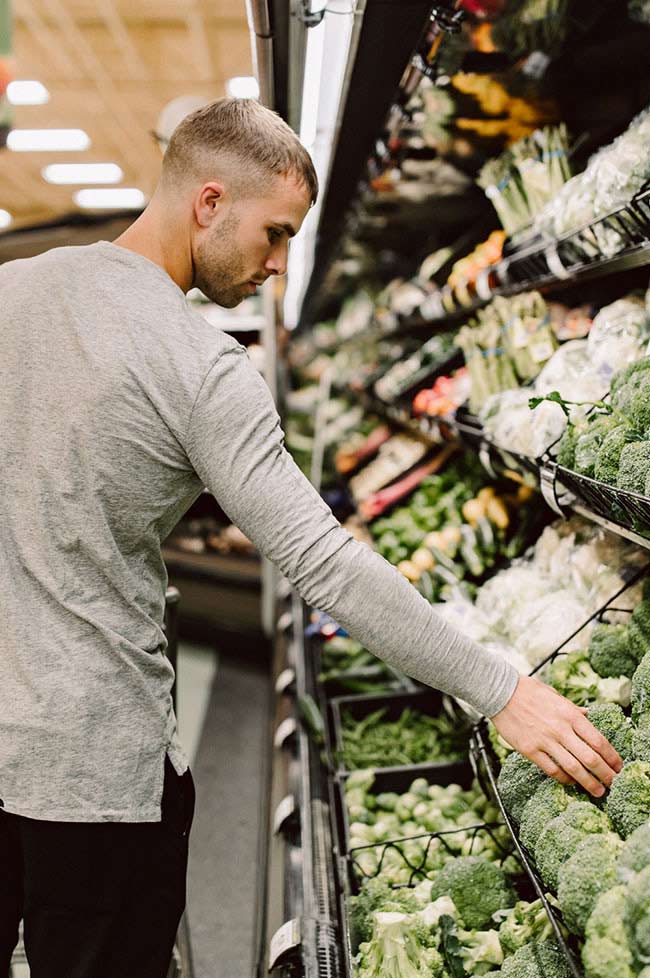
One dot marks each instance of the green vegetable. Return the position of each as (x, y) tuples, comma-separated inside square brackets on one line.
[(612, 723), (638, 411), (377, 894), (641, 743), (590, 442), (526, 922), (550, 799), (635, 854), (606, 952), (399, 948), (478, 888), (562, 835), (412, 739), (590, 871), (480, 950), (610, 653), (573, 677), (639, 629), (628, 802), (517, 781), (634, 467), (637, 917), (312, 717), (609, 455), (566, 453), (543, 960), (641, 689)]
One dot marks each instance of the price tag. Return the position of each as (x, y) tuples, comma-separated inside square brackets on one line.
[(286, 679), (483, 289), (283, 813), (553, 261), (286, 938), (520, 334), (285, 730)]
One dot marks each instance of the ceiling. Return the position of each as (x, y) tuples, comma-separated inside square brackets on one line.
[(110, 67)]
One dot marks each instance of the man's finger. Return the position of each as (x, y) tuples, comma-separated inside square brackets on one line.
[(589, 758), (587, 732), (572, 766), (549, 767)]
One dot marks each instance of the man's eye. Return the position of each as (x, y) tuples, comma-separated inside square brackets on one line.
[(274, 235)]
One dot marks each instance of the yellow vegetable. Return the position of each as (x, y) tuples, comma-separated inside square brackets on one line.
[(423, 559), (486, 494), (473, 511), (497, 513), (450, 537), (434, 539), (409, 570)]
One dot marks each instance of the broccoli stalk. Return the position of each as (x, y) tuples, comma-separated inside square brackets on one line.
[(526, 922)]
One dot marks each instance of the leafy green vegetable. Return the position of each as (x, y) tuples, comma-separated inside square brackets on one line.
[(414, 738)]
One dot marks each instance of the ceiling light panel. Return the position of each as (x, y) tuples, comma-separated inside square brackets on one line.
[(70, 173), (47, 140), (27, 93), (243, 86), (110, 198)]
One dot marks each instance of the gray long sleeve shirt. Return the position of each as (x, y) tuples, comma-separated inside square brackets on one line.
[(118, 403)]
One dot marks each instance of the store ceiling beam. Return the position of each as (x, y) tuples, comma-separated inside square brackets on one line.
[(389, 35)]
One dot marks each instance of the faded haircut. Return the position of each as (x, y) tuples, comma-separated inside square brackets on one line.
[(244, 134)]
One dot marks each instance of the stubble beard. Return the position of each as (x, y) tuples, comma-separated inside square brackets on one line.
[(220, 267)]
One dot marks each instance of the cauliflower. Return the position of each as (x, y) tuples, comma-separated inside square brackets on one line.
[(543, 960), (634, 467), (606, 952), (477, 887), (609, 651), (563, 834), (518, 779), (635, 854), (550, 799), (610, 720), (628, 802), (590, 871), (637, 917)]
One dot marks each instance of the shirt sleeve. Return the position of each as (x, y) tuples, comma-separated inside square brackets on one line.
[(236, 445)]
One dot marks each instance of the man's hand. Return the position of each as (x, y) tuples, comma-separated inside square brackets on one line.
[(549, 730)]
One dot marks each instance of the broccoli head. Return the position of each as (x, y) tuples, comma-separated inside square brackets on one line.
[(637, 917), (377, 894), (641, 743), (572, 676), (566, 452), (634, 373), (609, 454), (526, 922), (542, 960), (606, 952), (641, 690), (590, 442), (550, 799), (628, 802), (612, 723), (634, 466), (480, 950), (639, 629), (563, 834), (518, 779), (635, 854), (477, 887), (609, 651), (400, 947), (638, 409), (590, 871)]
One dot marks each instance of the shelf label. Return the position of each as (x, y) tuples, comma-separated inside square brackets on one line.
[(285, 680), (285, 730), (286, 938), (283, 813)]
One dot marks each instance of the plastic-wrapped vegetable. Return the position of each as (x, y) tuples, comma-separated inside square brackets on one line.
[(618, 336)]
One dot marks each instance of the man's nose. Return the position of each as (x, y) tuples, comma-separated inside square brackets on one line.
[(276, 263)]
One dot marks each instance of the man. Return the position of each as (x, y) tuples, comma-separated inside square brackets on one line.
[(117, 405)]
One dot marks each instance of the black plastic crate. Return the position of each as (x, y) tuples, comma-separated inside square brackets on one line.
[(629, 510), (426, 701)]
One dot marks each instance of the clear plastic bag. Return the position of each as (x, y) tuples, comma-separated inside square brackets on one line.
[(618, 336), (510, 423)]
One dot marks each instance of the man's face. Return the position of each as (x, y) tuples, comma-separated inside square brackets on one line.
[(248, 241)]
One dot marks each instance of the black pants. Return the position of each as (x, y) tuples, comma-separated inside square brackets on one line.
[(98, 900)]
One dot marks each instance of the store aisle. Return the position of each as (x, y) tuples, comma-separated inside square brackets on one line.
[(197, 668), (226, 860)]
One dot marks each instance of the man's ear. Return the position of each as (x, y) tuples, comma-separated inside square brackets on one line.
[(208, 203)]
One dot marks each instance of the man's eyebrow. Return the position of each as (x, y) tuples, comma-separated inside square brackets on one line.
[(289, 228)]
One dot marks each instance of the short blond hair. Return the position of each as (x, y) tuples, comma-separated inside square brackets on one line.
[(247, 134)]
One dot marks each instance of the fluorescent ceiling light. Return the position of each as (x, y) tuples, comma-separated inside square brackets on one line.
[(27, 93), (61, 173), (5, 219), (312, 84), (43, 140), (243, 86), (110, 198)]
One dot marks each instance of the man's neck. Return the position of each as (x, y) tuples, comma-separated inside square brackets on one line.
[(145, 237)]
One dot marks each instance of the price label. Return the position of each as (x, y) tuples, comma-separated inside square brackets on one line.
[(283, 813), (286, 938), (285, 730), (483, 289), (285, 680), (554, 263)]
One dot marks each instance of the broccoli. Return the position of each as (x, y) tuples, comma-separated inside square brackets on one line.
[(573, 677), (612, 723), (634, 373), (641, 689), (518, 779), (550, 799), (606, 951), (638, 409), (639, 629), (526, 922), (401, 946), (566, 453), (641, 743), (562, 836), (609, 454), (637, 917), (500, 746), (635, 854), (377, 894), (628, 802), (478, 889), (543, 960), (589, 444), (590, 871), (609, 651), (634, 466), (480, 950)]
